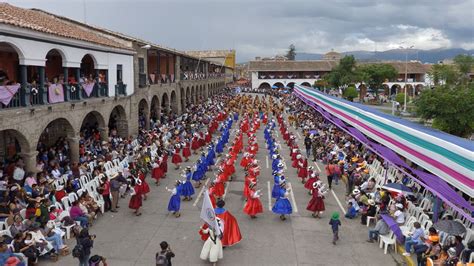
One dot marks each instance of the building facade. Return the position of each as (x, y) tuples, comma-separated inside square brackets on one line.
[(58, 76)]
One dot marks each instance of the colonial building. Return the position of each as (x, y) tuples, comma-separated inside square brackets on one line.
[(280, 73), (58, 76), (224, 58), (285, 73)]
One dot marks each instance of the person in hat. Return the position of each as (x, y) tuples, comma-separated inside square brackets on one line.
[(370, 211), (231, 235), (399, 215), (187, 188), (253, 206), (174, 203), (176, 159), (335, 223), (186, 150), (136, 200), (316, 204), (282, 205), (157, 171)]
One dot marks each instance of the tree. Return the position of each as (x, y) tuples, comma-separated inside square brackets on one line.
[(451, 103), (320, 83), (291, 54), (375, 74), (344, 73), (464, 64), (350, 93), (443, 74), (400, 98), (450, 107)]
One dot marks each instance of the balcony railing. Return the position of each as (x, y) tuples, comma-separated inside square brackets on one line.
[(33, 95), (121, 89)]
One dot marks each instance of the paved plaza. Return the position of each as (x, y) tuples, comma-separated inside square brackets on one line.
[(125, 239)]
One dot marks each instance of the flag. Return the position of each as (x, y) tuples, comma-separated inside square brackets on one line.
[(208, 214)]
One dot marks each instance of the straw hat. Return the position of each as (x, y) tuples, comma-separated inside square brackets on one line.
[(371, 202)]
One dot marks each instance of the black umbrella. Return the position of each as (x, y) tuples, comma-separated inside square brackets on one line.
[(450, 227)]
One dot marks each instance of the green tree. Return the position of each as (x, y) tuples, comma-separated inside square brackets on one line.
[(450, 107), (375, 74), (291, 54), (441, 74), (350, 93), (400, 98), (344, 73), (451, 103), (464, 64)]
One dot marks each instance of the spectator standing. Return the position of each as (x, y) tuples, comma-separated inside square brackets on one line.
[(307, 145), (164, 256), (82, 250)]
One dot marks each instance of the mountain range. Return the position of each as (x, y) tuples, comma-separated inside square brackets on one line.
[(425, 56)]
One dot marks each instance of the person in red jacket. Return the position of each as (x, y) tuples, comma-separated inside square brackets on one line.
[(253, 205)]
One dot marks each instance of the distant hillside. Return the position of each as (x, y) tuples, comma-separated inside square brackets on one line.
[(425, 56)]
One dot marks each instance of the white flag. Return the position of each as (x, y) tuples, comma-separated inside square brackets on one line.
[(208, 214)]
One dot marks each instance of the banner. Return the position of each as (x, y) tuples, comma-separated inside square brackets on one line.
[(208, 214), (88, 87), (55, 93), (7, 93)]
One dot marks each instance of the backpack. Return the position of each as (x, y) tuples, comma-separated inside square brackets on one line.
[(78, 251), (161, 259)]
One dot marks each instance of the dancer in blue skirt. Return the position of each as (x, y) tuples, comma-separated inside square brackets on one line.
[(175, 201), (187, 189), (282, 205), (277, 179)]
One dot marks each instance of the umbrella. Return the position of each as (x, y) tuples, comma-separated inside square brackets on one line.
[(315, 132), (274, 87), (450, 227), (394, 227), (398, 188)]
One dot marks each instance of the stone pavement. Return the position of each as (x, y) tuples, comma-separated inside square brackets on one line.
[(125, 239)]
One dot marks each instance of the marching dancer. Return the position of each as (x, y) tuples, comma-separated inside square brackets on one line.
[(316, 204), (282, 205), (175, 200), (157, 172), (186, 150), (136, 199), (231, 234), (176, 159), (212, 249), (187, 189), (253, 205)]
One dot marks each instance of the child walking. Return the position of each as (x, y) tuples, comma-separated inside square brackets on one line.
[(335, 223)]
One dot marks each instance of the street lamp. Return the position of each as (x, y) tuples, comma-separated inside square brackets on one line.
[(406, 74)]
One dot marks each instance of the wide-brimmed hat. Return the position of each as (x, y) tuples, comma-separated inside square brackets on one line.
[(399, 205), (335, 216), (355, 191), (371, 202)]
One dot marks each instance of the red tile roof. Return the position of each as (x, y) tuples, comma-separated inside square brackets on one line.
[(44, 22)]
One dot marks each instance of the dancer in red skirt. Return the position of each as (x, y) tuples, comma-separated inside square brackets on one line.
[(316, 204), (195, 143), (186, 150), (136, 199), (302, 169), (253, 205), (157, 171), (176, 159), (145, 188), (164, 164)]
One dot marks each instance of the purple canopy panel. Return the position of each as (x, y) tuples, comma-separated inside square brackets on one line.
[(442, 187), (357, 134), (389, 154)]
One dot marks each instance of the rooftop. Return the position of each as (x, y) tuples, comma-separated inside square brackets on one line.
[(314, 65), (44, 22), (210, 53)]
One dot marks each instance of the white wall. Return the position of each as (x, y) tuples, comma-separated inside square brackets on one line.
[(33, 53), (256, 82)]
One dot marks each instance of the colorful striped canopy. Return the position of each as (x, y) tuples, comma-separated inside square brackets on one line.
[(447, 156)]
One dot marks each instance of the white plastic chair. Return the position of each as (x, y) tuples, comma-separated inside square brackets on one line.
[(23, 213), (386, 241), (66, 203), (468, 237), (3, 225), (72, 197), (68, 227)]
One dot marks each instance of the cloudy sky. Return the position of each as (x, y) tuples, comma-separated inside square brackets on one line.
[(268, 27)]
